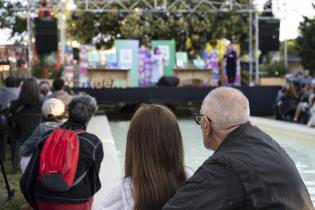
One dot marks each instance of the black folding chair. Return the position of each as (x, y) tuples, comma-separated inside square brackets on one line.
[(4, 131), (22, 124)]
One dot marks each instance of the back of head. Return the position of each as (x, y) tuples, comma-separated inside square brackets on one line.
[(81, 109), (227, 107), (44, 87), (58, 84), (154, 156), (29, 94), (10, 81), (53, 109)]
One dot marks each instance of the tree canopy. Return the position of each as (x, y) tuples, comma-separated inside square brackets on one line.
[(197, 28), (306, 42), (191, 31), (11, 19)]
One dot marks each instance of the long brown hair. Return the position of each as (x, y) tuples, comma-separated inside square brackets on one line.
[(154, 156)]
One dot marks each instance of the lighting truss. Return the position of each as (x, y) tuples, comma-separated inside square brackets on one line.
[(146, 6)]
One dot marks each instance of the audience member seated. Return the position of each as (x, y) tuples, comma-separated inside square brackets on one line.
[(286, 102), (311, 122), (306, 102), (53, 112), (26, 115), (313, 80), (58, 91), (306, 78), (153, 164), (8, 93), (87, 183), (44, 88)]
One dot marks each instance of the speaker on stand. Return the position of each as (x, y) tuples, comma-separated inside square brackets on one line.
[(46, 35), (269, 34)]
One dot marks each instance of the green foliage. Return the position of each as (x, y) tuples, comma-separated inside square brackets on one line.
[(40, 68), (10, 19), (306, 43), (199, 28), (14, 180), (274, 69), (292, 47)]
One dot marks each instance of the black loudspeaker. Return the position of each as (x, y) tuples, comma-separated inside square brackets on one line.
[(269, 34), (46, 35), (168, 81)]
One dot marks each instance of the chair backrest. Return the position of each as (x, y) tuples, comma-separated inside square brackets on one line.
[(23, 124), (4, 116)]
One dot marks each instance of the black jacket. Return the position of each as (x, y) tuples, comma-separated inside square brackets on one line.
[(248, 171), (90, 158)]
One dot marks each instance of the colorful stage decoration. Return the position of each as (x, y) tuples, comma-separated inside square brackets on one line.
[(127, 54), (212, 62), (111, 61), (237, 47), (167, 47), (84, 79), (181, 59), (144, 67)]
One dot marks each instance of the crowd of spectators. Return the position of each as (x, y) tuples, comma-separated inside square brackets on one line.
[(155, 175), (295, 100), (23, 105)]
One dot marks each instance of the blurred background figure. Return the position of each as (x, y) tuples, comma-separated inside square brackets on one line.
[(8, 93), (157, 66), (45, 90), (26, 115), (54, 115), (231, 63), (59, 92)]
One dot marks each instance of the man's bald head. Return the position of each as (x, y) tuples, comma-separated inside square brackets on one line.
[(226, 107)]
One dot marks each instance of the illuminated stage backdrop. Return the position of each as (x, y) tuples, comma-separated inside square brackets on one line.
[(167, 48), (127, 54)]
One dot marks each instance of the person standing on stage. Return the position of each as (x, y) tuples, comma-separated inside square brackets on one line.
[(231, 63), (157, 66)]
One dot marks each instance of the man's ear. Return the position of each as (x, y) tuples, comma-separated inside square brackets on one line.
[(207, 127)]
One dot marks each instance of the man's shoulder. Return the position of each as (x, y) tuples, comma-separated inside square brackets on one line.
[(90, 139), (215, 164)]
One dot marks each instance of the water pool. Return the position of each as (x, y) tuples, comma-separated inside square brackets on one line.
[(301, 149)]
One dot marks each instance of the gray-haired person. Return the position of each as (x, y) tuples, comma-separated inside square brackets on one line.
[(248, 170), (80, 196)]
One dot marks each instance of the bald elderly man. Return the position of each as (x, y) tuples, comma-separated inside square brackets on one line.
[(248, 170)]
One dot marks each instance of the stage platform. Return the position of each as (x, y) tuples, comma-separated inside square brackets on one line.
[(261, 98)]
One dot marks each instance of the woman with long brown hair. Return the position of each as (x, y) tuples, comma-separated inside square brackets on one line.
[(154, 162)]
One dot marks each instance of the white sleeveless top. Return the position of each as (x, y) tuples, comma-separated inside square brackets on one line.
[(120, 197)]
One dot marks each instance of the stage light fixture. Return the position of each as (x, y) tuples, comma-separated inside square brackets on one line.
[(97, 16), (74, 16), (201, 16), (120, 17), (219, 16), (165, 16), (177, 16), (143, 17)]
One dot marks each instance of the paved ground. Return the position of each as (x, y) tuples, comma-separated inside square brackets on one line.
[(110, 168)]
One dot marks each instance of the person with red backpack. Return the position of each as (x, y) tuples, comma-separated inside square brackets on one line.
[(64, 170)]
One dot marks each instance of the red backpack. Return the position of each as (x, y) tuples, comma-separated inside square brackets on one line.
[(59, 159)]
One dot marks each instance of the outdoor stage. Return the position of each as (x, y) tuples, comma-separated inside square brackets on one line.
[(261, 98)]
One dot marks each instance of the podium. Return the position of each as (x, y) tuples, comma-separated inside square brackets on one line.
[(105, 78), (194, 74)]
